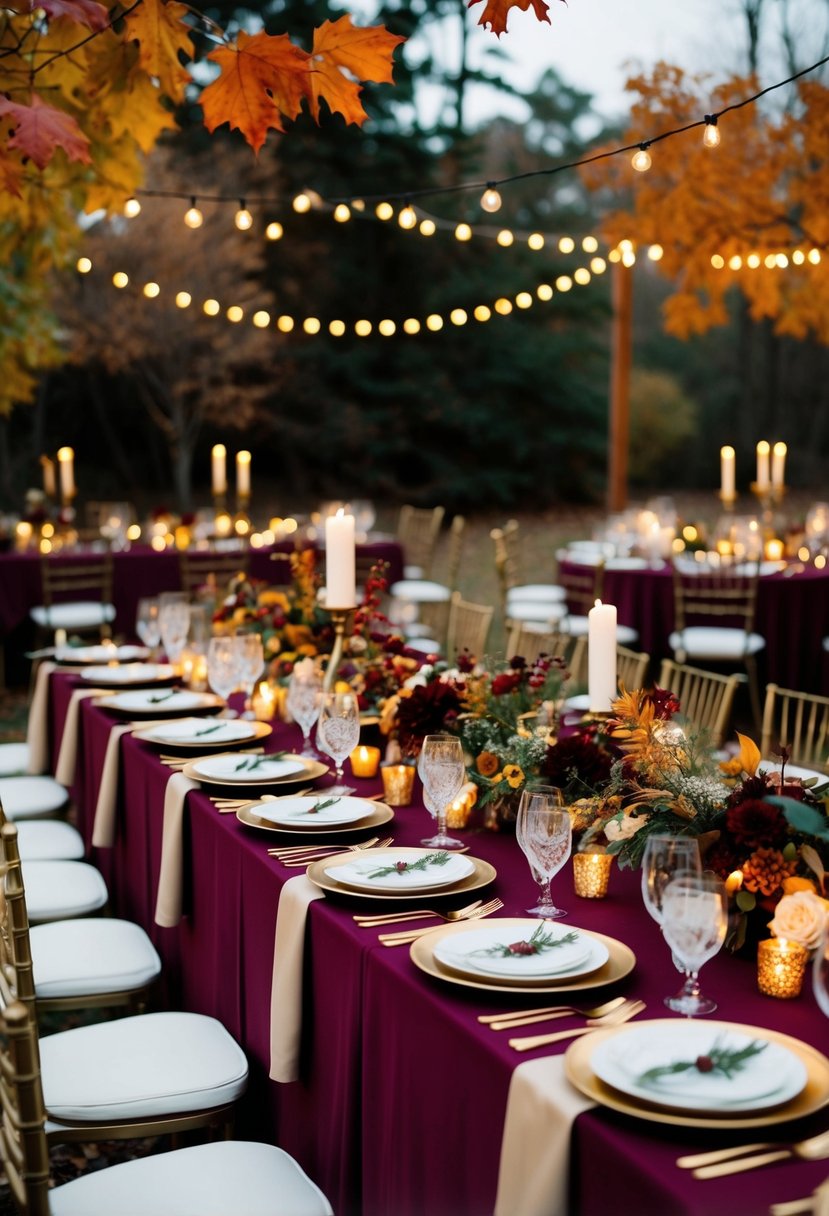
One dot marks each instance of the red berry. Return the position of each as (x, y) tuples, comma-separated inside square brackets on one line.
[(704, 1064)]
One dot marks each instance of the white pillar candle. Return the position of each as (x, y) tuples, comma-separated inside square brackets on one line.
[(66, 464), (340, 562), (601, 657), (218, 464), (778, 466), (762, 478), (243, 474), (727, 480)]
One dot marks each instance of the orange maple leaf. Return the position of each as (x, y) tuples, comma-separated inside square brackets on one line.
[(40, 129), (85, 12), (10, 173), (264, 77), (161, 33), (496, 12), (340, 47)]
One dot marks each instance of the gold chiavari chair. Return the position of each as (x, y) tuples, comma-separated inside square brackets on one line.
[(706, 698), (632, 667), (521, 602), (469, 625), (77, 597), (418, 529), (211, 570), (798, 721), (530, 642), (420, 607)]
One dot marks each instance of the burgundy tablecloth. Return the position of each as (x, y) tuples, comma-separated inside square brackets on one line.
[(792, 616), (401, 1102)]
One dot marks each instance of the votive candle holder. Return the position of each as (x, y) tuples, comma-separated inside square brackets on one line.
[(781, 965), (591, 874), (398, 783), (365, 761)]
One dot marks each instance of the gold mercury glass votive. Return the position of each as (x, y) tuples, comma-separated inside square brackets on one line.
[(398, 783), (591, 874), (781, 965)]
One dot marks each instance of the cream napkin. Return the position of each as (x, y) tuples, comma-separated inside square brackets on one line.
[(103, 828), (542, 1106), (68, 756), (171, 872), (37, 731), (286, 986)]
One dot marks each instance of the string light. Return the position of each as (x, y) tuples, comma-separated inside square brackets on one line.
[(183, 299), (387, 328), (711, 134), (505, 238), (284, 324), (641, 159), (301, 203), (83, 265), (590, 244), (463, 232), (544, 292), (212, 308), (491, 199), (655, 253), (274, 231), (151, 290), (312, 325), (243, 218), (459, 316), (235, 314), (407, 218), (261, 319), (193, 218), (434, 322), (535, 241), (482, 313), (428, 227), (120, 279), (362, 328), (342, 213), (336, 328), (132, 208), (411, 325), (566, 244), (384, 211)]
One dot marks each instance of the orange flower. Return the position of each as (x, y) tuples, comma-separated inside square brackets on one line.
[(487, 764)]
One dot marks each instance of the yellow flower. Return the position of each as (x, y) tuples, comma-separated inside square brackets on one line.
[(795, 883), (270, 597), (513, 774), (731, 768)]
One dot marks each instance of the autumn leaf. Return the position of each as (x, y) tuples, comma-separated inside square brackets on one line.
[(40, 129), (86, 12), (263, 77), (162, 34), (496, 12), (10, 171), (339, 48)]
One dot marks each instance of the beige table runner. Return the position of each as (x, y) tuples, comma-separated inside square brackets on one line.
[(534, 1173), (37, 731), (103, 827), (286, 986), (168, 909), (68, 755)]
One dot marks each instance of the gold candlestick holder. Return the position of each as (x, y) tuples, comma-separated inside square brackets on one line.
[(728, 499), (339, 618)]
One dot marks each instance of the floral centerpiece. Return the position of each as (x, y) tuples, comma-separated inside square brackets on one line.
[(765, 833)]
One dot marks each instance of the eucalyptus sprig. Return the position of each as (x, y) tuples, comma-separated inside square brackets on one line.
[(161, 697), (322, 806), (541, 941), (409, 867), (252, 763), (209, 730), (725, 1061)]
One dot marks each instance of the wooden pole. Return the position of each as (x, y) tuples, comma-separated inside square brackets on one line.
[(619, 421)]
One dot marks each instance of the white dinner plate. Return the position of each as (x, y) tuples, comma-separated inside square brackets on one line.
[(161, 702), (129, 673), (793, 770), (248, 770), (366, 874), (100, 654), (773, 1076), (299, 812), (469, 954), (193, 730), (579, 704)]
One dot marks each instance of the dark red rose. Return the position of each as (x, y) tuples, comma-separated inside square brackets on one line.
[(505, 683), (466, 662), (517, 662), (665, 704), (429, 710), (755, 823), (576, 760), (751, 788)]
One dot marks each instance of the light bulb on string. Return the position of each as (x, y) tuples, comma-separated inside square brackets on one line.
[(243, 218), (193, 218), (711, 134), (490, 199), (342, 213), (641, 159), (407, 218), (132, 208)]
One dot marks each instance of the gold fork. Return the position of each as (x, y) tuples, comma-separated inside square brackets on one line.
[(297, 862), (229, 806), (720, 1163), (393, 918), (623, 1014), (403, 938), (296, 850), (510, 1021)]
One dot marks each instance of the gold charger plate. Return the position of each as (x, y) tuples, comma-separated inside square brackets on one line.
[(208, 702), (482, 874), (378, 814), (621, 962), (812, 1098), (260, 730), (311, 769)]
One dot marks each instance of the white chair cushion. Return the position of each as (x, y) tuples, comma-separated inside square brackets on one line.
[(545, 593), (579, 627), (420, 591), (227, 1178), (49, 840), (413, 572), (826, 643), (140, 1067), (84, 957), (716, 642), (57, 890), (31, 797), (80, 614), (14, 759), (536, 611), (423, 645)]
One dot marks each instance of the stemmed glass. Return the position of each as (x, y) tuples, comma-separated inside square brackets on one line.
[(544, 831), (174, 622), (442, 770), (223, 666), (147, 623), (665, 858), (338, 733), (694, 922), (304, 703), (251, 662)]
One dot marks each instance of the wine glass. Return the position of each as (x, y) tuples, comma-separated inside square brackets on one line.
[(250, 657), (820, 975), (304, 703), (147, 623), (442, 770), (694, 922), (544, 831), (665, 858), (338, 733), (174, 622), (223, 665)]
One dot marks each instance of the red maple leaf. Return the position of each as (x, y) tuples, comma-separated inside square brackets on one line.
[(496, 12), (40, 129)]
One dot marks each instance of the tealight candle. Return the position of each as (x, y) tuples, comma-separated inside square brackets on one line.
[(364, 761), (774, 550), (398, 783), (781, 965), (264, 702), (591, 874)]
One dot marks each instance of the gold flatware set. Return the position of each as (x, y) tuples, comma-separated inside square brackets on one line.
[(302, 855), (724, 1161), (406, 936), (623, 1013), (527, 1017)]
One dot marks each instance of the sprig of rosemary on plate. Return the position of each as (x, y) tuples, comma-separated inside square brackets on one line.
[(252, 763), (410, 867), (724, 1061), (164, 696), (209, 730), (322, 806), (541, 941)]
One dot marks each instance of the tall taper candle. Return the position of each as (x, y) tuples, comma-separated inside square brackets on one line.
[(727, 480), (778, 466), (762, 478), (340, 561), (49, 484), (218, 465), (66, 464), (243, 474), (601, 657)]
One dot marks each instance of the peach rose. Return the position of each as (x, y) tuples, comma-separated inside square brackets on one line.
[(629, 825), (801, 917)]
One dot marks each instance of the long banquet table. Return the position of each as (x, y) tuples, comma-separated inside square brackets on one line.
[(400, 1105)]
